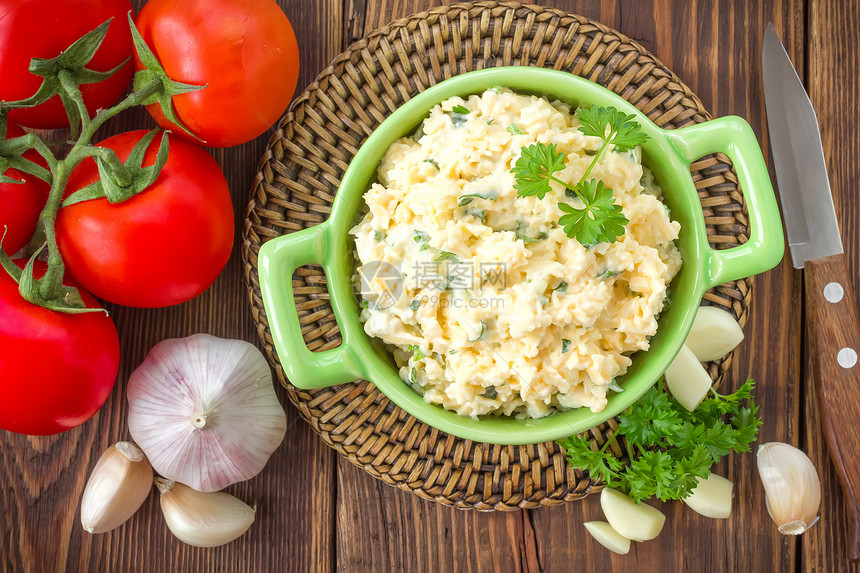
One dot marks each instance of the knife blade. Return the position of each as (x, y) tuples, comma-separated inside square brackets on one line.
[(801, 172), (816, 246)]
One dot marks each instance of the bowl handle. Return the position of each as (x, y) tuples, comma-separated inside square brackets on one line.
[(277, 261), (734, 137)]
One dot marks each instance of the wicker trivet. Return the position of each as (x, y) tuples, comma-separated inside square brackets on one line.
[(302, 167)]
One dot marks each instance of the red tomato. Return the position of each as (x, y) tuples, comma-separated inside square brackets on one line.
[(245, 50), (163, 246), (43, 29), (21, 203), (57, 369)]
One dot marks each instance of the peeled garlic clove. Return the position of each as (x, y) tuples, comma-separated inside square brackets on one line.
[(791, 486), (203, 519), (712, 497), (205, 412), (118, 486), (603, 533), (639, 522), (715, 333), (687, 379)]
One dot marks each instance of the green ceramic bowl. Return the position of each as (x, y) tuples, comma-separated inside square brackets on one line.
[(668, 154)]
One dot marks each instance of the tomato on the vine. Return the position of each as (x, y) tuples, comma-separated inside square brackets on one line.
[(56, 369), (162, 246), (21, 203), (44, 28), (244, 51)]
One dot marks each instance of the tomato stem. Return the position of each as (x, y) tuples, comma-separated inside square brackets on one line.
[(119, 172), (63, 76), (73, 92), (42, 149), (52, 284), (133, 99)]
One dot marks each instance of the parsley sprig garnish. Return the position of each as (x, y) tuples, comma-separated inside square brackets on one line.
[(624, 132), (668, 447), (600, 219), (534, 170)]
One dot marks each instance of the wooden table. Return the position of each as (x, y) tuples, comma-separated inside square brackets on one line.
[(317, 512)]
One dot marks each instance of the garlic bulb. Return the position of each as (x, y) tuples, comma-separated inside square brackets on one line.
[(791, 486), (118, 486), (203, 519), (204, 411)]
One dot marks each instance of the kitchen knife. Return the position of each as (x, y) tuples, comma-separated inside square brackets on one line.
[(816, 246)]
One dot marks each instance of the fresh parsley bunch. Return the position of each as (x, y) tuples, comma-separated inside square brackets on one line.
[(600, 219), (668, 447)]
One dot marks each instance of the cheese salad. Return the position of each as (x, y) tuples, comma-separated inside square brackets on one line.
[(495, 309)]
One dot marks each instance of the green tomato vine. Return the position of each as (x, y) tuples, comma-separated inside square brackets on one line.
[(62, 77)]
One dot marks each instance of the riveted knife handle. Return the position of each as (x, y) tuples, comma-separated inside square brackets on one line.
[(835, 343)]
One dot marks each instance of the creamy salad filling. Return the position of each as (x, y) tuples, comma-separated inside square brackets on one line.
[(488, 306)]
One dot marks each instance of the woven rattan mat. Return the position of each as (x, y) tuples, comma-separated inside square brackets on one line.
[(300, 173)]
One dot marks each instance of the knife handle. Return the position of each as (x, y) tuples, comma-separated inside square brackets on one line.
[(835, 344)]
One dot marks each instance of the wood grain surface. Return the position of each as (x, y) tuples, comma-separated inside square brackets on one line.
[(320, 513), (832, 81)]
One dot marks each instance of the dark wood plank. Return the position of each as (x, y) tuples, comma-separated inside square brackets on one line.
[(380, 528), (39, 505), (715, 48), (834, 62)]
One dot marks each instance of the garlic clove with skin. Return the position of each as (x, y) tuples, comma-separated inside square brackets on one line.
[(203, 519), (205, 412), (791, 486), (117, 487)]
